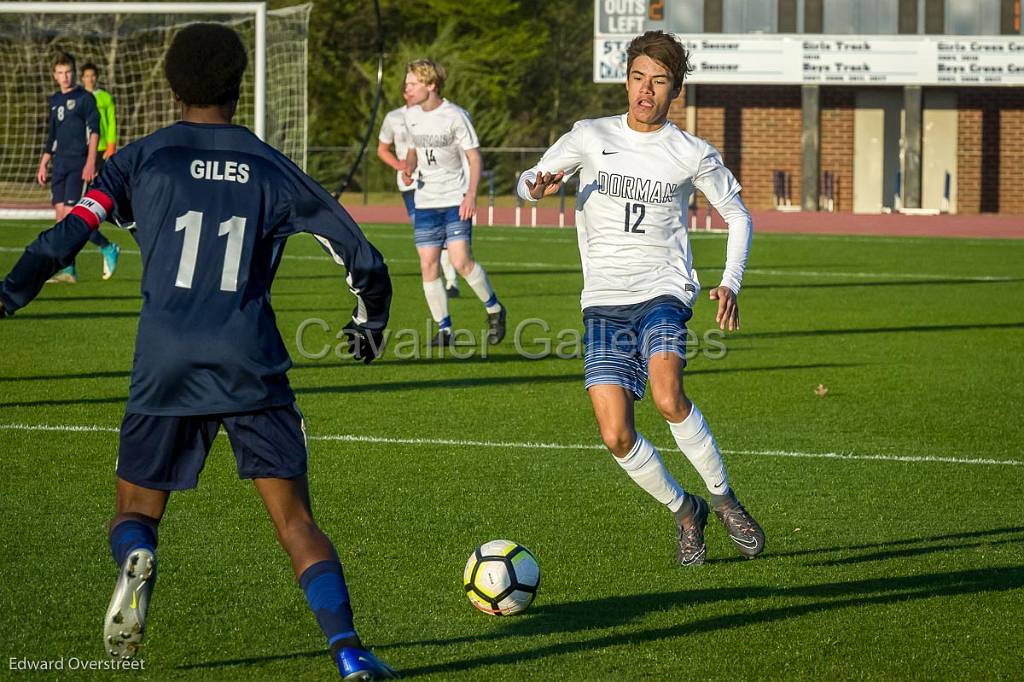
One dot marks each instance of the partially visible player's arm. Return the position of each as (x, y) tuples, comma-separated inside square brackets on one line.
[(720, 187), (562, 159), (44, 161), (51, 141), (385, 154), (384, 141), (468, 207), (92, 123), (89, 170), (52, 250), (410, 166), (313, 210)]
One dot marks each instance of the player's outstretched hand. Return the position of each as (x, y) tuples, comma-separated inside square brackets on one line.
[(545, 184), (728, 309), (109, 151), (3, 311), (364, 344)]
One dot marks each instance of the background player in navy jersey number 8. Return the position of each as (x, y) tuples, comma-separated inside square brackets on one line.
[(73, 129), (212, 207), (637, 171)]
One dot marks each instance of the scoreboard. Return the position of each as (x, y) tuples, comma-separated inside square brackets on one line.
[(788, 58)]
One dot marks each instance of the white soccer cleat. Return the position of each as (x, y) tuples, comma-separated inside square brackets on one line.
[(125, 622)]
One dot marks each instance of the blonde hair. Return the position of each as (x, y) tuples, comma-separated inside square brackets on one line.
[(428, 72)]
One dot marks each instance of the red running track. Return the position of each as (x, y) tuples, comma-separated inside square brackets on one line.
[(987, 226)]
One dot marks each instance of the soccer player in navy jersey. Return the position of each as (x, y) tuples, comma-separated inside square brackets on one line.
[(212, 207), (72, 136)]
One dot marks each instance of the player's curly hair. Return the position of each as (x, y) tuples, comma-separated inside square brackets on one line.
[(663, 48), (89, 66), (205, 64)]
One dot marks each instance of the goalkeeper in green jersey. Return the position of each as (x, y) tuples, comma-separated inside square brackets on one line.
[(108, 120), (104, 149)]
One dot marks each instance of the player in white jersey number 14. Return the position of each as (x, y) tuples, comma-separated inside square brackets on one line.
[(445, 153), (637, 171)]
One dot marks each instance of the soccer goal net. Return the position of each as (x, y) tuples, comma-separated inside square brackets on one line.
[(127, 42)]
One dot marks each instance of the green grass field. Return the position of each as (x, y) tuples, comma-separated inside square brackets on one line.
[(901, 555)]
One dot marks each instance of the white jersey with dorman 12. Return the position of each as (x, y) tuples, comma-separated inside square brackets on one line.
[(393, 131), (631, 208), (441, 138)]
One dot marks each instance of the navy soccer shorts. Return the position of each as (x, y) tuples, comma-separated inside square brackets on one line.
[(438, 226), (619, 340), (167, 453), (67, 185)]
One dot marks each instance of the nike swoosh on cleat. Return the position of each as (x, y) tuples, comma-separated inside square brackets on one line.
[(743, 542), (605, 152)]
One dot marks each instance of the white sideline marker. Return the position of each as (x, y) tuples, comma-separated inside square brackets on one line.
[(527, 445)]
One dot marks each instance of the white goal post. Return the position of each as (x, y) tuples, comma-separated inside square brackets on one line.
[(127, 41)]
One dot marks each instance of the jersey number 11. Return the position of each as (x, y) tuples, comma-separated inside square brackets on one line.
[(192, 224)]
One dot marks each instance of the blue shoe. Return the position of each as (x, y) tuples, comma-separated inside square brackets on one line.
[(110, 253), (361, 664), (68, 275)]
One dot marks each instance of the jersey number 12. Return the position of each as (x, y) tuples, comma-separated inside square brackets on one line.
[(192, 224), (639, 210)]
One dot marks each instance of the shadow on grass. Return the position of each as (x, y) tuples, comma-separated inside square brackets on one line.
[(886, 330), (895, 283), (615, 612), (890, 548), (413, 385)]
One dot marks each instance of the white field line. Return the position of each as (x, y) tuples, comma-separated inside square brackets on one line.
[(528, 445), (752, 271)]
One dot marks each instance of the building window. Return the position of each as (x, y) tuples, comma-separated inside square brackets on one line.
[(750, 16), (686, 16), (867, 17), (972, 17)]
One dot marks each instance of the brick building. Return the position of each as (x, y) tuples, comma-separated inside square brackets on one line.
[(884, 146)]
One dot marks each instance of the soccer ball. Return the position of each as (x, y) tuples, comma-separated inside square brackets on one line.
[(501, 578)]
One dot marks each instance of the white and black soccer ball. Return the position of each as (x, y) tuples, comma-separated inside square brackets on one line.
[(501, 578)]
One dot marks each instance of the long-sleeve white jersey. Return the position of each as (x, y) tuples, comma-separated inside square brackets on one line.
[(441, 137), (631, 208), (393, 131)]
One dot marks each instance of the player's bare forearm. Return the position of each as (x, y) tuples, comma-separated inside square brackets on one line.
[(385, 155)]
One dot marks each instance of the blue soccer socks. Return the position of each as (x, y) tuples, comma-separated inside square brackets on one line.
[(130, 535), (327, 594)]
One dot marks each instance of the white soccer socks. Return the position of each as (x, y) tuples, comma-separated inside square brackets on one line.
[(695, 440), (477, 279), (437, 301), (448, 270), (644, 466)]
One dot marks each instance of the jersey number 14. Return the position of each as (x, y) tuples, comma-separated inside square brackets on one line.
[(192, 224)]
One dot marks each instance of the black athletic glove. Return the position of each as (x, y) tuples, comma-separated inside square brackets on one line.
[(364, 344)]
